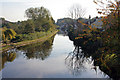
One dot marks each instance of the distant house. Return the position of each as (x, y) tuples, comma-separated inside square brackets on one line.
[(97, 24)]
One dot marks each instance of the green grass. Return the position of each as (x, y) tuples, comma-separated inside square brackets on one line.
[(26, 42), (32, 36)]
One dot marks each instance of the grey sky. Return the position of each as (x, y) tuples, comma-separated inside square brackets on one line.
[(14, 10)]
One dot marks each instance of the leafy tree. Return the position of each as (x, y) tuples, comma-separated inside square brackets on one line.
[(46, 26), (29, 27), (34, 13), (110, 37), (41, 17), (8, 34), (53, 21)]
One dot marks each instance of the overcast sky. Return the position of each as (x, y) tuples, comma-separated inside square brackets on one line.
[(14, 10)]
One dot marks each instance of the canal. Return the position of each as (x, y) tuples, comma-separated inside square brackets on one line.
[(50, 59)]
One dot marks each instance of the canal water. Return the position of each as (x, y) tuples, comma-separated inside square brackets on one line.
[(50, 59)]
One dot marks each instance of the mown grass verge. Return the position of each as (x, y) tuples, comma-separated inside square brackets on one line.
[(26, 42)]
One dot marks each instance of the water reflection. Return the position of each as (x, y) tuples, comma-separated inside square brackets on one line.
[(44, 60), (107, 61), (76, 60), (8, 57), (39, 50)]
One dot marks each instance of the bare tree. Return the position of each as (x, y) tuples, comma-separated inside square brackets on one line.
[(76, 11), (108, 6)]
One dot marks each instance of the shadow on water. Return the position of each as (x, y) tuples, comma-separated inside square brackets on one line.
[(108, 63), (84, 58), (8, 57), (39, 50), (33, 51), (75, 61)]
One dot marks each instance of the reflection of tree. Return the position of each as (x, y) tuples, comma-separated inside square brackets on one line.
[(8, 57), (75, 61), (105, 55), (38, 50), (0, 61)]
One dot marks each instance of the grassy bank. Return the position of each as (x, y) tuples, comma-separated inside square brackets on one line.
[(23, 43)]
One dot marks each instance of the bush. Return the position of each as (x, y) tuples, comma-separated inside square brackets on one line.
[(30, 36)]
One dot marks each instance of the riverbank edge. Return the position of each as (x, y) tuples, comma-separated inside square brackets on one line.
[(23, 43)]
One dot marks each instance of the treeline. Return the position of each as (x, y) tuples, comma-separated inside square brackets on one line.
[(39, 21)]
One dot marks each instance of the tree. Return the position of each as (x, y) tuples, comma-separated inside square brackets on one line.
[(110, 37), (34, 13), (53, 21), (29, 27), (76, 11), (111, 10), (41, 18), (8, 34), (46, 26), (108, 6)]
